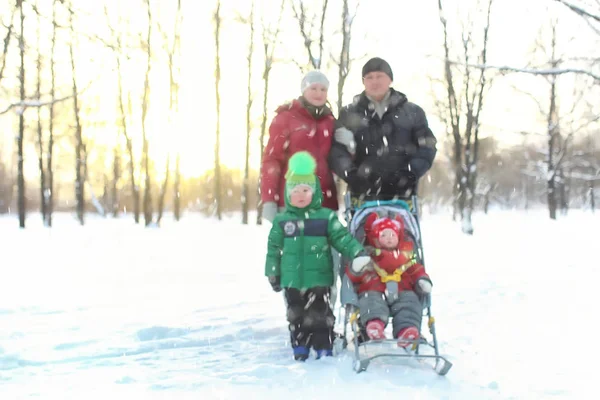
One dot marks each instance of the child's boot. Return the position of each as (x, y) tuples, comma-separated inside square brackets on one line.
[(375, 329), (300, 353), (324, 353), (407, 335)]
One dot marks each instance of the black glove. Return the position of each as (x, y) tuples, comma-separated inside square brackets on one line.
[(406, 180), (357, 183), (419, 167), (275, 282)]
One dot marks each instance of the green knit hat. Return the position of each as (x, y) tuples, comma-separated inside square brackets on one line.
[(301, 171)]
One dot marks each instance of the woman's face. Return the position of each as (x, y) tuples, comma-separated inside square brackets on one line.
[(316, 94)]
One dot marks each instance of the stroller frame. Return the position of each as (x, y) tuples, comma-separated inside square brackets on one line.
[(442, 365)]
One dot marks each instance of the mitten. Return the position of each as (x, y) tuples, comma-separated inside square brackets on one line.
[(275, 282), (424, 285), (419, 167), (357, 182), (360, 263), (269, 210), (345, 137)]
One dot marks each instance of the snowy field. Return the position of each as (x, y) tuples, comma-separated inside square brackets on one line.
[(117, 311)]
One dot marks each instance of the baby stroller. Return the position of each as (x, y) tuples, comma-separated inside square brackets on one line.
[(355, 216)]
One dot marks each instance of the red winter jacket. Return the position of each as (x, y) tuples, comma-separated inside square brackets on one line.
[(294, 129), (390, 261)]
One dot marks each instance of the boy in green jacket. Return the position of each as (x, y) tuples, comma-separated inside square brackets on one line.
[(299, 258)]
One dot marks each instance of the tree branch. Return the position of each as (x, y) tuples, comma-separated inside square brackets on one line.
[(541, 72), (578, 10)]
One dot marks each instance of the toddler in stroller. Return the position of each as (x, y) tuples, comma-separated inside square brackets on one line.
[(391, 284)]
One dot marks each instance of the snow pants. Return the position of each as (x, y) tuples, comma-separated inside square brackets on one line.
[(310, 318), (405, 309)]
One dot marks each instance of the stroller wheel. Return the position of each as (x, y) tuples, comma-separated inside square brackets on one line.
[(360, 365)]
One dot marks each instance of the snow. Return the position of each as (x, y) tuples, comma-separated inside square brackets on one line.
[(117, 311)]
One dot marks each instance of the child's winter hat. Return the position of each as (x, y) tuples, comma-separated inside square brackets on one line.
[(374, 225), (301, 171), (313, 77)]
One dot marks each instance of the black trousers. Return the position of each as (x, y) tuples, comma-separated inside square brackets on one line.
[(310, 318)]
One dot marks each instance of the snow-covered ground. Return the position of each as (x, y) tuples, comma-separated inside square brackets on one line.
[(113, 310)]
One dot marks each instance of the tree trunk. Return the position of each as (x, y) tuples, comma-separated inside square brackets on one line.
[(147, 202), (114, 197), (263, 127), (163, 191), (553, 133), (106, 201), (344, 64), (269, 43), (21, 203), (562, 192), (49, 166), (592, 198), (217, 194), (526, 193), (79, 150), (245, 189), (135, 190), (40, 130), (176, 185), (175, 52)]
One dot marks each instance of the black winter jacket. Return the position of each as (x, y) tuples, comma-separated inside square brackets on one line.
[(391, 153)]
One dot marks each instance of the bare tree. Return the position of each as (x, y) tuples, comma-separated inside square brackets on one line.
[(466, 138), (312, 29), (218, 195), (79, 145), (177, 189), (173, 51), (250, 100), (163, 190), (21, 204), (147, 202), (114, 193), (175, 107), (270, 37), (6, 42), (40, 138), (591, 17), (50, 152), (344, 61), (118, 53)]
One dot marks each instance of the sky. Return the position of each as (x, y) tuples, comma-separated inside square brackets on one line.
[(405, 33)]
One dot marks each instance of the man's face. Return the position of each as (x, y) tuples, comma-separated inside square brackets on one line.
[(376, 84), (301, 196), (316, 94)]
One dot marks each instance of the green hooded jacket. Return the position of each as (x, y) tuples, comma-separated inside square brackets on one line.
[(299, 244)]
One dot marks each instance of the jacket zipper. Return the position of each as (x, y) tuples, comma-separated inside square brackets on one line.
[(301, 236)]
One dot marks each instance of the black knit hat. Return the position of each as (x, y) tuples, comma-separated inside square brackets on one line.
[(377, 64)]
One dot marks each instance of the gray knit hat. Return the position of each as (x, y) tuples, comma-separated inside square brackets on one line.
[(313, 77), (377, 64)]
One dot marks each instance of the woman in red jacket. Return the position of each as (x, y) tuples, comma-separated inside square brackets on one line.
[(305, 124)]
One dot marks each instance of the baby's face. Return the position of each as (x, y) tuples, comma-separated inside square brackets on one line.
[(301, 196), (388, 239)]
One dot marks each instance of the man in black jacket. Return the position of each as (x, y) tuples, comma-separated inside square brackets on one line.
[(383, 143)]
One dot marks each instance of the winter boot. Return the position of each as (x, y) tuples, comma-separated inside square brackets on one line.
[(324, 353), (300, 353), (375, 329), (407, 335)]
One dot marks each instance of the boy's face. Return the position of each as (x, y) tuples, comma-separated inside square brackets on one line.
[(388, 239), (301, 196)]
